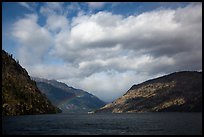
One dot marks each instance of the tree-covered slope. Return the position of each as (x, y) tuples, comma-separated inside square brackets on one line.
[(20, 94)]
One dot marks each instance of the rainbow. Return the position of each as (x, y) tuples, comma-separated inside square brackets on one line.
[(70, 98)]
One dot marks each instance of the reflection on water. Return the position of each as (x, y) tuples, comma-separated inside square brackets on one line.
[(136, 124)]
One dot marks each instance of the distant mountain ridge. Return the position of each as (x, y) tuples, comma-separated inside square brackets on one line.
[(176, 92), (20, 95), (54, 83), (67, 98)]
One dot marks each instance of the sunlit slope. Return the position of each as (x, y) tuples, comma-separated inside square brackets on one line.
[(180, 91)]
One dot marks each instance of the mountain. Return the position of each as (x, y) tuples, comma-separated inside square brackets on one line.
[(179, 91), (20, 95), (68, 99)]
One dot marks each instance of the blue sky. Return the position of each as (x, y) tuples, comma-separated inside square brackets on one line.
[(103, 47), (11, 11)]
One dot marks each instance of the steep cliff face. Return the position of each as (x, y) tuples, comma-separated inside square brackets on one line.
[(67, 98), (180, 91), (20, 94)]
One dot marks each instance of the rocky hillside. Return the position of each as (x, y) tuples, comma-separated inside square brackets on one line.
[(67, 98), (20, 95), (180, 91)]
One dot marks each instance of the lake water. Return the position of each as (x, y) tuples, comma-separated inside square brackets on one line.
[(118, 124)]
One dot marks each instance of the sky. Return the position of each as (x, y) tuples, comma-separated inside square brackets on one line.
[(103, 47)]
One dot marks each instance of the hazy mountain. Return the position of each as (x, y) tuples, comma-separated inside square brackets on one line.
[(20, 94), (68, 99), (180, 91)]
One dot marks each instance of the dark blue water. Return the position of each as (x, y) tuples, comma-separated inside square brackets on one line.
[(119, 124)]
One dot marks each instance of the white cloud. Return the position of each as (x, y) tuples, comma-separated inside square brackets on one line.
[(26, 5), (105, 53), (34, 39), (49, 71), (109, 85), (74, 6), (96, 5), (56, 23), (158, 33), (51, 8)]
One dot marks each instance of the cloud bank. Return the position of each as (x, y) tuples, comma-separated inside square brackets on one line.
[(105, 53)]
